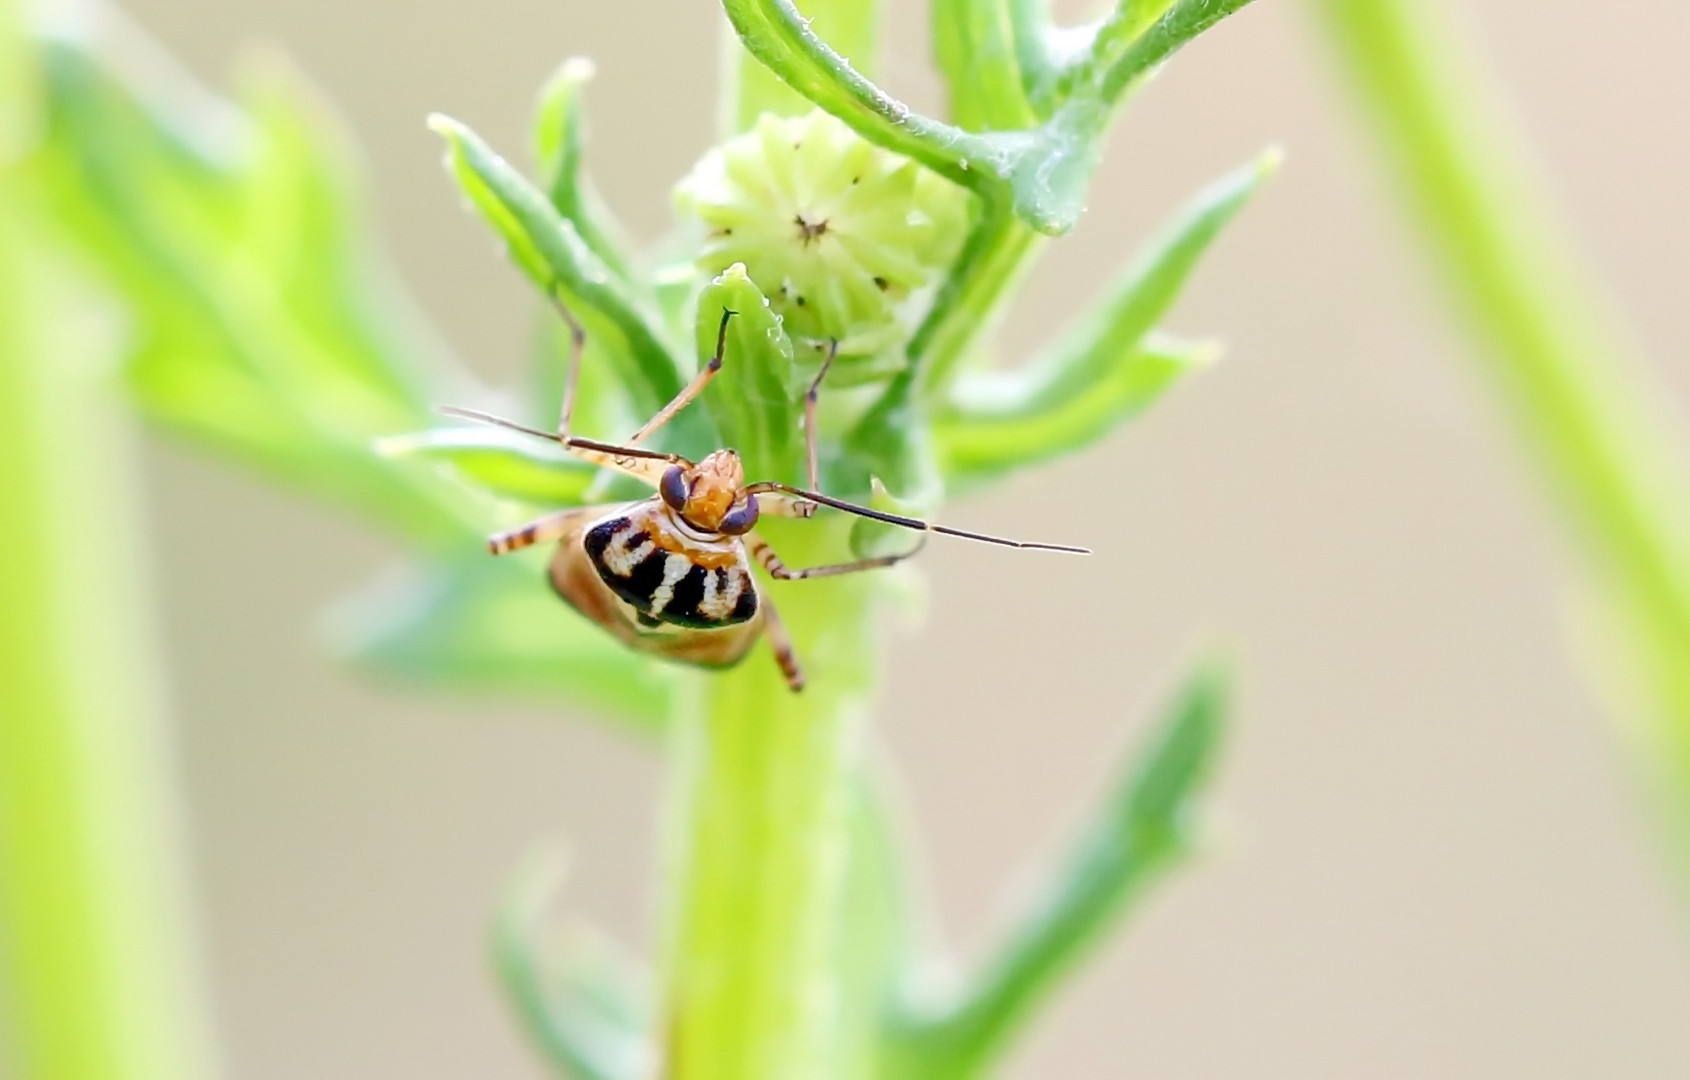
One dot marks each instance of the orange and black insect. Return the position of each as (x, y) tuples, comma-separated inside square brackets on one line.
[(670, 574)]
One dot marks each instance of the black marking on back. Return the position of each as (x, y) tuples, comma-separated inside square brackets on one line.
[(646, 577), (683, 606), (643, 577), (746, 606)]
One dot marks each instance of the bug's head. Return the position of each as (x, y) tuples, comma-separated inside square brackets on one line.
[(710, 495)]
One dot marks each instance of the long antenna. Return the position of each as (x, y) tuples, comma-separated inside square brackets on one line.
[(565, 440), (912, 523)]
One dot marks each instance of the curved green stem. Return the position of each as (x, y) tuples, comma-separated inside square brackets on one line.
[(1587, 413)]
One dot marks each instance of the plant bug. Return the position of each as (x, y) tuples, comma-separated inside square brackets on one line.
[(670, 574)]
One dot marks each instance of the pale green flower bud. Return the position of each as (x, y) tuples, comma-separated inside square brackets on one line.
[(836, 232)]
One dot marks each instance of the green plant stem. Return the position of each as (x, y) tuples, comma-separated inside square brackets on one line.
[(1586, 412), (92, 936), (760, 836), (759, 826)]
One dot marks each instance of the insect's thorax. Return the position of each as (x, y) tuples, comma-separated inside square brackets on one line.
[(670, 573)]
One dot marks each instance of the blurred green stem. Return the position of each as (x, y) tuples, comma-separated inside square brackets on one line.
[(1589, 414), (92, 937), (761, 835)]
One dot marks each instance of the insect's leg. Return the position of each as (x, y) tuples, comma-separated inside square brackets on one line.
[(768, 560), (810, 415), (553, 526), (690, 390), (780, 642), (572, 378)]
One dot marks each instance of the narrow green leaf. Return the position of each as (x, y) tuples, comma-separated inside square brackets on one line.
[(1140, 831), (574, 997), (1104, 372), (991, 432), (505, 463), (975, 46), (559, 132), (495, 623), (261, 322), (555, 257), (750, 89), (757, 398)]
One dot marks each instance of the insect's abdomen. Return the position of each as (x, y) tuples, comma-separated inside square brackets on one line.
[(667, 586)]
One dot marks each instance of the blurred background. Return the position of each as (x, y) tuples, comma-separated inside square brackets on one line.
[(1428, 858)]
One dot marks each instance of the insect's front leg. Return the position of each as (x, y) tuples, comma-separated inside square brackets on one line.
[(768, 560), (812, 470), (691, 390)]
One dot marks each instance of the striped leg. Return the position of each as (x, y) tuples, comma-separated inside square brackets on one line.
[(554, 526), (768, 560), (781, 643), (810, 416), (691, 390)]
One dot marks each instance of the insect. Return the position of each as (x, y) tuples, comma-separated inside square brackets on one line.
[(670, 575)]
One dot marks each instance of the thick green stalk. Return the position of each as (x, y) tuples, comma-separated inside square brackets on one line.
[(760, 836), (758, 825), (1588, 414), (93, 943)]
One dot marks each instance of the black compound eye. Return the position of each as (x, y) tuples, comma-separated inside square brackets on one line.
[(742, 518), (673, 487)]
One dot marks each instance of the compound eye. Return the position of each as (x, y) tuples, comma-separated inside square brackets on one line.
[(673, 487), (742, 518)]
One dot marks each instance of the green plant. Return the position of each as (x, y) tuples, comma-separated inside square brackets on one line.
[(262, 326)]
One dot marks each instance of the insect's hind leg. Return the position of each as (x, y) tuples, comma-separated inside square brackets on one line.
[(554, 526), (780, 643)]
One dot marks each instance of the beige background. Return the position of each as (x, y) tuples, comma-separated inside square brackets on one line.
[(1429, 862)]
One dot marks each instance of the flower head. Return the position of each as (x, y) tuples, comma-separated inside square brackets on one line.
[(837, 232)]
